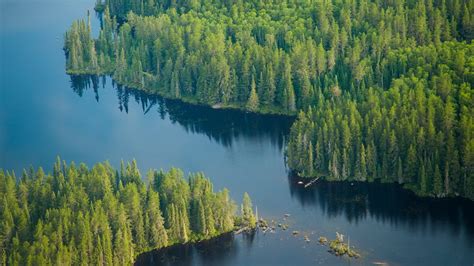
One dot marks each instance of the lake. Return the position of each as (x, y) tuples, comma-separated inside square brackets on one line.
[(45, 113)]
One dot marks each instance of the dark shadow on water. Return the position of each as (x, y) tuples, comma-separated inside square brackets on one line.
[(215, 251), (249, 238), (222, 126), (79, 84), (387, 203)]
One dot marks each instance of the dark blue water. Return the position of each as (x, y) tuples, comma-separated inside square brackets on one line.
[(45, 113)]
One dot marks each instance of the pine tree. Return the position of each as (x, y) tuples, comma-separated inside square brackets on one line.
[(321, 59), (310, 164), (157, 234), (270, 87), (412, 164), (253, 102), (247, 211), (437, 182), (363, 164), (423, 180)]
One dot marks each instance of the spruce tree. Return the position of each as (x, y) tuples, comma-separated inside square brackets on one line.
[(253, 102)]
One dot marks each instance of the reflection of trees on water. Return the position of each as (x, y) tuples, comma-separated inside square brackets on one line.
[(249, 238), (210, 252), (388, 203), (81, 83), (223, 126)]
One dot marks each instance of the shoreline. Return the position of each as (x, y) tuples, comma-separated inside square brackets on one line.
[(188, 100), (295, 177)]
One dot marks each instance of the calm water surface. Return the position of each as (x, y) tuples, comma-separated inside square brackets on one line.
[(45, 113)]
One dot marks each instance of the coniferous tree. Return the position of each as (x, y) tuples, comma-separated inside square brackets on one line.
[(247, 211), (253, 102)]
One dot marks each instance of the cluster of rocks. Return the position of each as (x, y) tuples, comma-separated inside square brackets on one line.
[(336, 246)]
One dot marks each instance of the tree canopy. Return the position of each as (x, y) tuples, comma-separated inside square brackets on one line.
[(419, 132), (104, 216), (290, 52)]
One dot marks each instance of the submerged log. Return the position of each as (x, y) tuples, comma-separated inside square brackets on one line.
[(243, 229), (311, 182)]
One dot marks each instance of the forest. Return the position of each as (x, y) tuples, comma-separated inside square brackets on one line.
[(104, 216), (382, 89), (419, 132)]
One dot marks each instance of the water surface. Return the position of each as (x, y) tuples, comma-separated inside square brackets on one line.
[(45, 113)]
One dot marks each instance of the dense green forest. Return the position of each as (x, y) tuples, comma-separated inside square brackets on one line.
[(419, 132), (276, 56), (103, 216), (384, 87)]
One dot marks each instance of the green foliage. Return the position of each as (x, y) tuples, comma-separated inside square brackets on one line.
[(209, 52), (253, 102), (248, 217), (84, 55), (100, 216), (409, 128)]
